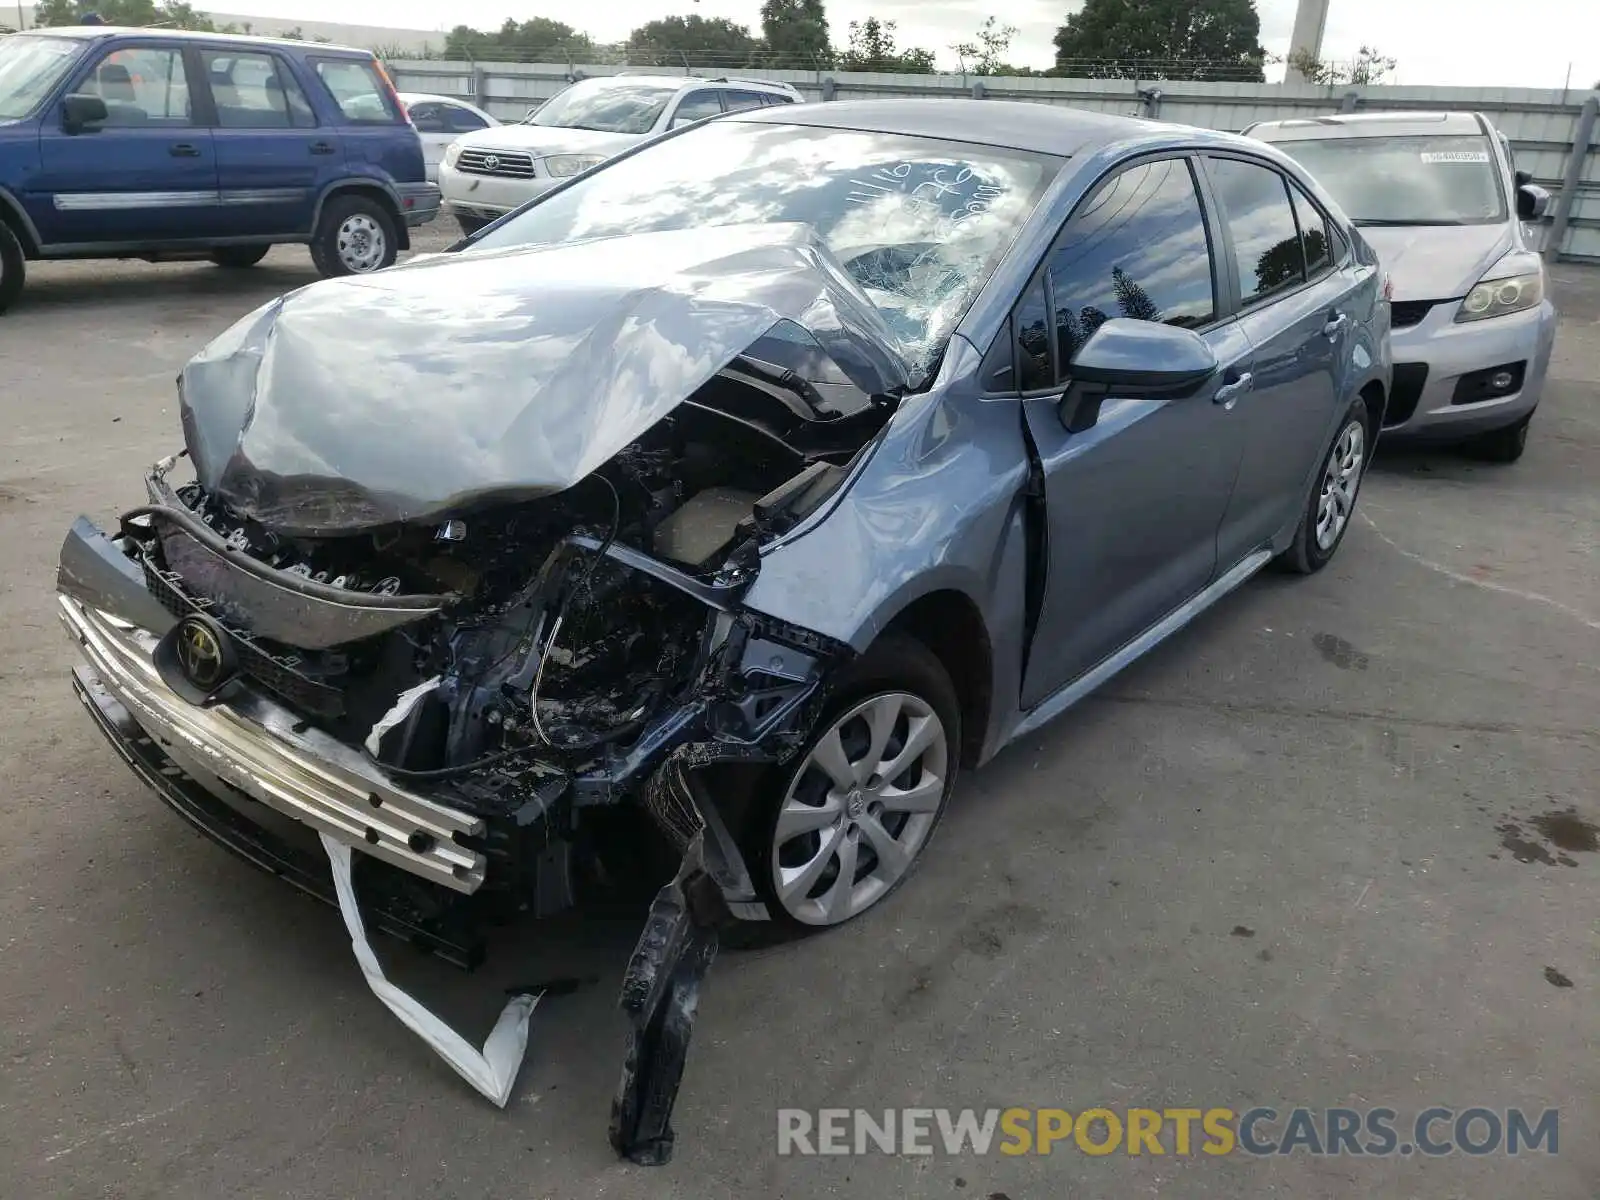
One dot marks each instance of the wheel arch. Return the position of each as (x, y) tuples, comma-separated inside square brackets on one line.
[(949, 623), (372, 190), (16, 219), (1376, 398)]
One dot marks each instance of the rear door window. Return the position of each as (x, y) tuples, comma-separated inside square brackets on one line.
[(255, 91), (1266, 241), (738, 101), (358, 90), (1136, 248), (696, 105), (1313, 234)]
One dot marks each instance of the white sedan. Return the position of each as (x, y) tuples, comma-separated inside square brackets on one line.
[(440, 120)]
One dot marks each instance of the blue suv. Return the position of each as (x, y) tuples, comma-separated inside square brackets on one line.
[(147, 143)]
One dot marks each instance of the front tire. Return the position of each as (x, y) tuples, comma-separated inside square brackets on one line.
[(834, 832), (1502, 445), (355, 236), (13, 267), (237, 258), (1332, 504)]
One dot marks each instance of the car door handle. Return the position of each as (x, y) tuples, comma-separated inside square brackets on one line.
[(1335, 325), (1229, 392), (184, 150), (322, 147)]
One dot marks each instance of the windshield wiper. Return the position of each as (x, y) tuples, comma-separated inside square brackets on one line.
[(1386, 223)]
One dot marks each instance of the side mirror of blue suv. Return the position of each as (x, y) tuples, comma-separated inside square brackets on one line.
[(163, 145)]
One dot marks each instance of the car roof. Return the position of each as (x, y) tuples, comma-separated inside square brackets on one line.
[(680, 81), (99, 32), (1381, 124), (1049, 128)]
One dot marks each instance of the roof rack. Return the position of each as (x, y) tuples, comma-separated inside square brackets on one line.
[(772, 83)]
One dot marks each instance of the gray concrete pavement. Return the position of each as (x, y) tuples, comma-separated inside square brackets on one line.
[(1269, 865)]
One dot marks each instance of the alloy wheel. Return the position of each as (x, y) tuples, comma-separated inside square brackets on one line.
[(1341, 478), (859, 808), (361, 243)]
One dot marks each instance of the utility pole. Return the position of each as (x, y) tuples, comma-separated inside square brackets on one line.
[(1310, 20)]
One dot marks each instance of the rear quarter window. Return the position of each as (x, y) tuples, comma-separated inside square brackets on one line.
[(359, 90)]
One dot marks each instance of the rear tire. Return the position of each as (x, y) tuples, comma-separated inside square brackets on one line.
[(1501, 445), (237, 258), (1331, 506), (13, 267), (901, 682), (355, 236)]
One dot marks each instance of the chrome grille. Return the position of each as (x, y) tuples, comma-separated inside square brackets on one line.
[(505, 164)]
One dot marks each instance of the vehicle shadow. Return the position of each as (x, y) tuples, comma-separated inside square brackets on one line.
[(55, 286), (1444, 461)]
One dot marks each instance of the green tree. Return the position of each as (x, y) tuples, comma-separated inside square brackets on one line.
[(171, 14), (796, 34), (1369, 67), (1132, 299), (693, 42), (538, 40), (1162, 39), (985, 54), (872, 48)]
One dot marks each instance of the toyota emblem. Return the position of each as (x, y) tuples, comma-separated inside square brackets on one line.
[(197, 658), (491, 162)]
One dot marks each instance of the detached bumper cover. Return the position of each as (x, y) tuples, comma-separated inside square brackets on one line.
[(264, 751)]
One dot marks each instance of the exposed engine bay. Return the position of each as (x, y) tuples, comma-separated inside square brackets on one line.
[(511, 658)]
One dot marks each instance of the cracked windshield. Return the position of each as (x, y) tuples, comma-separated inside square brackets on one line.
[(918, 223)]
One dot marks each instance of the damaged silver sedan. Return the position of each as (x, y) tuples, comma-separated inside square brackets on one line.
[(738, 491)]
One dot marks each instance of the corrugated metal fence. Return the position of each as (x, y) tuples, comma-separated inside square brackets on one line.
[(1542, 125)]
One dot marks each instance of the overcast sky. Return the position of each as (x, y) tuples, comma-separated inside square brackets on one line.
[(1486, 43)]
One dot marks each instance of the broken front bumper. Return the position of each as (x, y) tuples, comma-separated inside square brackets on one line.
[(261, 750)]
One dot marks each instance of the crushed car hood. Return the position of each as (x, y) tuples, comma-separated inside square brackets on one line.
[(1437, 262), (506, 375)]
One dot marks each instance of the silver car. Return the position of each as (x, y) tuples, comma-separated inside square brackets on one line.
[(1438, 196), (726, 502)]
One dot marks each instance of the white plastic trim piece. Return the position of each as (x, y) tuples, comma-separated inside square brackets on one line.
[(492, 1070)]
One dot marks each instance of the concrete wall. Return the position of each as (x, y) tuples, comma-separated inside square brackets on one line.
[(1541, 124)]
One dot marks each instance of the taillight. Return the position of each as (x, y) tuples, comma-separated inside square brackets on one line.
[(1388, 286), (394, 92)]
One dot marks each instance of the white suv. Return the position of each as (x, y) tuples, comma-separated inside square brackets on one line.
[(485, 175)]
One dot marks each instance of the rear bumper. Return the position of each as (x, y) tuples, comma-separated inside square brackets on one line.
[(1432, 357), (419, 202), (260, 750)]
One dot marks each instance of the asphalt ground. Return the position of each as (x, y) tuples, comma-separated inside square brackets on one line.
[(1326, 848)]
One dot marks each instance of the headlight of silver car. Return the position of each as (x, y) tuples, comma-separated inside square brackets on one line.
[(562, 165), (1499, 297), (452, 152)]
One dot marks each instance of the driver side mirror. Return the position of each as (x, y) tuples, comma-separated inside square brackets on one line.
[(1131, 357), (1532, 201), (1143, 356), (80, 110)]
